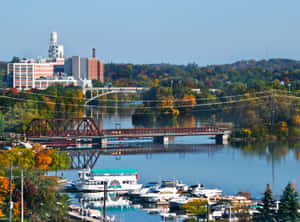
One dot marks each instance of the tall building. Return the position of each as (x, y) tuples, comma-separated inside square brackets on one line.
[(55, 51), (41, 73), (85, 68)]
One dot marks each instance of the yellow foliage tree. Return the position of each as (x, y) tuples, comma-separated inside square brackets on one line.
[(297, 120), (195, 207), (155, 83), (49, 102), (283, 126), (188, 102), (4, 190), (43, 159)]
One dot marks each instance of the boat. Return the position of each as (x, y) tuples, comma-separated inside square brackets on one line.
[(120, 180), (165, 192), (200, 191), (145, 189)]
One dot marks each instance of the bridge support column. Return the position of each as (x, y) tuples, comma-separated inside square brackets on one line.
[(161, 140), (223, 138), (103, 143), (219, 139)]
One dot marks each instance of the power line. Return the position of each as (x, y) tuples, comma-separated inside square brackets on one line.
[(142, 100), (121, 107)]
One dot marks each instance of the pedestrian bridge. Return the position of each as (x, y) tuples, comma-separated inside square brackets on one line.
[(102, 91), (98, 92)]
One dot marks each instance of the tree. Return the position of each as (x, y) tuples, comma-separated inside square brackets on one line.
[(288, 207), (42, 201), (60, 160), (196, 207), (267, 212)]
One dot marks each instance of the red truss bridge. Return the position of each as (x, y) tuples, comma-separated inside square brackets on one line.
[(86, 128)]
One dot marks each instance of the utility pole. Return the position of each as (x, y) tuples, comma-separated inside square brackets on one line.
[(104, 201), (207, 218), (22, 195), (10, 192), (272, 109)]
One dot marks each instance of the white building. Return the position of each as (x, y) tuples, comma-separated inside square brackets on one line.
[(55, 51)]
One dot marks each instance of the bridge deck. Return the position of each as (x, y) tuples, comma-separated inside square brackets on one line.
[(152, 132), (85, 128)]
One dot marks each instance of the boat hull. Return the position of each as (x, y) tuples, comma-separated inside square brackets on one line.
[(120, 188)]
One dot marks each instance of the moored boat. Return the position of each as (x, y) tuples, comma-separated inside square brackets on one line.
[(201, 191), (121, 180), (165, 192)]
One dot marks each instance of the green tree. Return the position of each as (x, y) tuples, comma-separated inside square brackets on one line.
[(288, 207), (196, 207), (267, 212), (60, 160)]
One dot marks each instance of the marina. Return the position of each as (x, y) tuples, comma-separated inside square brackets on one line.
[(168, 200)]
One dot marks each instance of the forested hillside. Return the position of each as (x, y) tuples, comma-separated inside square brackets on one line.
[(248, 72)]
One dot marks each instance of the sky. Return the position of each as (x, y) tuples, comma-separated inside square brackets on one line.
[(153, 31)]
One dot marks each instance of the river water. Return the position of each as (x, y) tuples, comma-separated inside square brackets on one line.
[(229, 168)]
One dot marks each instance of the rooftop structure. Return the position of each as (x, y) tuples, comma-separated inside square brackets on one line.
[(55, 51)]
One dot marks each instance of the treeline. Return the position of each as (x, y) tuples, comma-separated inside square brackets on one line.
[(272, 112), (251, 72), (17, 109)]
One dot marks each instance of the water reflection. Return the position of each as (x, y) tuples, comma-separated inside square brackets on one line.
[(96, 200), (273, 152), (117, 204), (88, 157)]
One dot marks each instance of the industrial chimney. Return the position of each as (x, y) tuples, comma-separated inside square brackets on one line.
[(94, 53)]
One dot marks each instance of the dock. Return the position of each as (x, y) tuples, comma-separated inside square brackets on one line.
[(89, 215), (76, 215)]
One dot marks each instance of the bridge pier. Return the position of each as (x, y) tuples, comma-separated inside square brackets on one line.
[(222, 139), (219, 139), (103, 143), (161, 140)]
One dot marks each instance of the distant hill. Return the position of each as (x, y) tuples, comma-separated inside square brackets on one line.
[(274, 64), (212, 76)]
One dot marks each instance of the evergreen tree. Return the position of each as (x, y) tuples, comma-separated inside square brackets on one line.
[(267, 212), (288, 207)]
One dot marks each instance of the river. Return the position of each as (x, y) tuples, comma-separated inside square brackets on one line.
[(229, 168)]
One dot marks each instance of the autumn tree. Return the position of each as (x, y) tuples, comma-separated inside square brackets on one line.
[(197, 207)]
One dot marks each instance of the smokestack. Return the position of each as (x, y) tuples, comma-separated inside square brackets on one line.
[(94, 53)]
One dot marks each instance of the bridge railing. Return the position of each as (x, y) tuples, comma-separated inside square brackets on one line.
[(162, 131)]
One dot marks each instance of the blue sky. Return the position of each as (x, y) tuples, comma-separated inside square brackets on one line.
[(154, 31)]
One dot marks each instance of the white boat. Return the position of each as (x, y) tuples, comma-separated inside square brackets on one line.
[(145, 189), (176, 203), (201, 191), (121, 180), (165, 192)]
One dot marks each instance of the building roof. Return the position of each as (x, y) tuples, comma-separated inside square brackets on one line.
[(116, 171)]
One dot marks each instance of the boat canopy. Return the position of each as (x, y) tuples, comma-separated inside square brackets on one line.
[(112, 171)]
